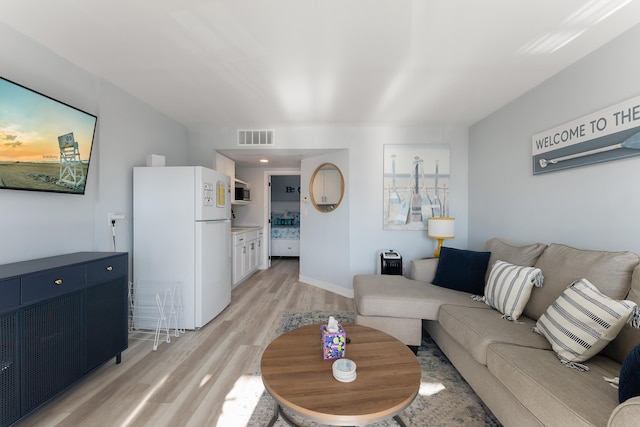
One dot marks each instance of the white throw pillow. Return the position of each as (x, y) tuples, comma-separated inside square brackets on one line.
[(509, 288), (582, 321)]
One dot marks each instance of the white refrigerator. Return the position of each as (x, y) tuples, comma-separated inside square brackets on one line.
[(182, 234)]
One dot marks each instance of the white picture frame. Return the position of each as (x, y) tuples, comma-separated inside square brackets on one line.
[(410, 193)]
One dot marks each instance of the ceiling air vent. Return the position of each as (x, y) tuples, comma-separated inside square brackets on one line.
[(256, 137)]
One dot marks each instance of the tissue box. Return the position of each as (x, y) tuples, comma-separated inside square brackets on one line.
[(333, 343)]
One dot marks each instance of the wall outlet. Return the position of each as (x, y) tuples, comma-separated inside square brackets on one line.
[(111, 216)]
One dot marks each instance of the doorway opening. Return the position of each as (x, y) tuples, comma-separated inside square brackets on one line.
[(284, 215)]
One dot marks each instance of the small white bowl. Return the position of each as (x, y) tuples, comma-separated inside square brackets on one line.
[(344, 370)]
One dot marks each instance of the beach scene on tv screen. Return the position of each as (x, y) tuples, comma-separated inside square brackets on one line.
[(45, 145)]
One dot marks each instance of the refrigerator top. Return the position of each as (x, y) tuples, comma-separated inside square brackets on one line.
[(204, 194)]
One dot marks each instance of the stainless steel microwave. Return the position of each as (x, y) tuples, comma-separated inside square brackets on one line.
[(243, 194)]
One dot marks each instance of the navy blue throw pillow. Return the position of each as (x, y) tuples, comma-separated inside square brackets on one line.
[(630, 376), (462, 270)]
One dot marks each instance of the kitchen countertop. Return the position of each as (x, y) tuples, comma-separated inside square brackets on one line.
[(242, 229)]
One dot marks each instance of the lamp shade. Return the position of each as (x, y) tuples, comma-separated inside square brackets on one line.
[(441, 228)]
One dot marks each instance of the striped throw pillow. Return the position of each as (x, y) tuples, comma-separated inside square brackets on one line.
[(582, 321), (509, 288)]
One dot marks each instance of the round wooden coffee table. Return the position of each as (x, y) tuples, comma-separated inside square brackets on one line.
[(299, 379)]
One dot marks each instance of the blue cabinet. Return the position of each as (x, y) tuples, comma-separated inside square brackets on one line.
[(60, 318), (9, 389)]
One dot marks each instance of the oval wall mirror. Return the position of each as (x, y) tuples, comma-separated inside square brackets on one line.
[(327, 187)]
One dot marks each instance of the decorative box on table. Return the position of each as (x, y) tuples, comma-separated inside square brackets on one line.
[(333, 343)]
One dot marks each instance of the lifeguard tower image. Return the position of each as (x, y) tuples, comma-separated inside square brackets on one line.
[(71, 170)]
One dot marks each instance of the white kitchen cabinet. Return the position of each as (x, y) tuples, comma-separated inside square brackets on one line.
[(252, 258), (226, 165), (238, 262), (259, 248), (245, 253)]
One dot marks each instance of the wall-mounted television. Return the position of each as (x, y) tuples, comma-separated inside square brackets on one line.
[(45, 144)]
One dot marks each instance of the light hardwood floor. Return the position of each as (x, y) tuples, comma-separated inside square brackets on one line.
[(200, 377)]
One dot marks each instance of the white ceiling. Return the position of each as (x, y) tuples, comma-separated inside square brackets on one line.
[(273, 63)]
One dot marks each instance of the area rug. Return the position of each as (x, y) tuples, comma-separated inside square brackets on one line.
[(444, 399)]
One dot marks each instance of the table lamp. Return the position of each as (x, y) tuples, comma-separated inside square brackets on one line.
[(441, 228)]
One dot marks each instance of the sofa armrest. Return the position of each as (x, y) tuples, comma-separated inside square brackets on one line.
[(423, 270), (625, 414)]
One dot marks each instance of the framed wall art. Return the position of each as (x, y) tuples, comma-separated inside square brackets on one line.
[(609, 134), (416, 185)]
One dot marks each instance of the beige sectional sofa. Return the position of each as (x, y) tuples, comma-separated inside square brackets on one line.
[(513, 370)]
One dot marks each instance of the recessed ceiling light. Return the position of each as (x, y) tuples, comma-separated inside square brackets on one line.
[(264, 161)]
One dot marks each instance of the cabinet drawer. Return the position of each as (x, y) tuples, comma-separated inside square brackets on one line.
[(285, 247), (239, 239), (251, 235), (49, 284), (9, 294), (107, 269)]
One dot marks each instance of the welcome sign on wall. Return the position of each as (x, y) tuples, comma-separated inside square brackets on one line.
[(609, 134)]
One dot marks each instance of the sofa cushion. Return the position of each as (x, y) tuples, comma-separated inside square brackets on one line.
[(628, 337), (512, 253), (626, 414), (475, 329), (582, 321), (397, 296), (407, 331), (509, 287), (562, 265), (423, 269), (557, 396), (461, 270)]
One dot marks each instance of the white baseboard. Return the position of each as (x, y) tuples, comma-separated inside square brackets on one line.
[(348, 293)]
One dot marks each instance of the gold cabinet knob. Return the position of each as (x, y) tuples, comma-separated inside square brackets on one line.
[(110, 268), (58, 282)]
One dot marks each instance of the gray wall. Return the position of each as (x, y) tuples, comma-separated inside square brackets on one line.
[(324, 250), (34, 224), (363, 234), (280, 185), (366, 199), (592, 207)]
